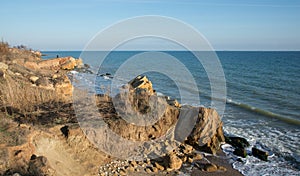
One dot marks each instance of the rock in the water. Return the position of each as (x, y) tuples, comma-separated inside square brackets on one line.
[(240, 152), (237, 142), (260, 154)]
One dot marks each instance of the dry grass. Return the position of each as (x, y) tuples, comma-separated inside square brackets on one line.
[(4, 51), (8, 53), (4, 47), (23, 97)]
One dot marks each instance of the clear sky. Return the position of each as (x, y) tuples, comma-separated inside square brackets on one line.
[(228, 25)]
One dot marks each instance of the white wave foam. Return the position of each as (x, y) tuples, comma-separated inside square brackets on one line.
[(271, 139)]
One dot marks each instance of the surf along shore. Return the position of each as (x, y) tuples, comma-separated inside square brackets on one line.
[(40, 134)]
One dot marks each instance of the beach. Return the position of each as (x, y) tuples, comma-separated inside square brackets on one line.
[(53, 133)]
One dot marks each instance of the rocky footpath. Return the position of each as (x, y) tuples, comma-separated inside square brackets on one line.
[(40, 134), (47, 151)]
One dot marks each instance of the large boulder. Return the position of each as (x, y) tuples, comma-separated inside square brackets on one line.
[(263, 155), (207, 134)]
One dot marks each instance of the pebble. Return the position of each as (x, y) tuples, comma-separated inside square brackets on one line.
[(148, 170), (190, 160), (221, 168), (122, 172), (148, 161), (197, 156), (129, 168), (154, 169), (210, 167), (133, 163)]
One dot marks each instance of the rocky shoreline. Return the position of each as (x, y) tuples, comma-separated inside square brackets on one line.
[(41, 134)]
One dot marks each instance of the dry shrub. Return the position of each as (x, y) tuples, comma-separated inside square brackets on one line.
[(4, 50), (4, 47), (8, 53), (24, 97)]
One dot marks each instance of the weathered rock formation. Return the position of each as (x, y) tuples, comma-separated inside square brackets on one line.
[(207, 133), (50, 142)]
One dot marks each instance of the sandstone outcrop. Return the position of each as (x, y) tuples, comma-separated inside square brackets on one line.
[(207, 133), (46, 74), (64, 63)]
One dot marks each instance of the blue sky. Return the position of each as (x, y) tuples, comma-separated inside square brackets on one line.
[(228, 25)]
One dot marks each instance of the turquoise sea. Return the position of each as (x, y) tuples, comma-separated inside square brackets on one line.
[(262, 103)]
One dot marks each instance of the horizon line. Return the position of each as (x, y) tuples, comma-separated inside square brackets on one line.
[(170, 50)]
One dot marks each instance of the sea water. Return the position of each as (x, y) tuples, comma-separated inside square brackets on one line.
[(262, 102)]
